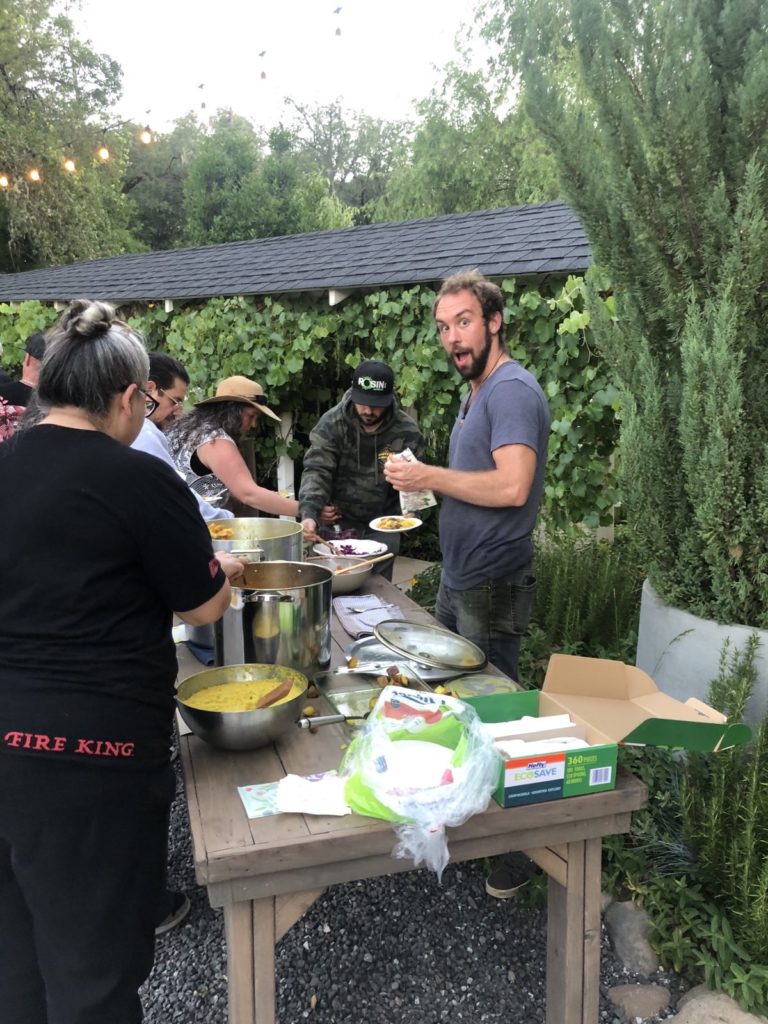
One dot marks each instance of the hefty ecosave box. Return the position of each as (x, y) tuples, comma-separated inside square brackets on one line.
[(608, 703)]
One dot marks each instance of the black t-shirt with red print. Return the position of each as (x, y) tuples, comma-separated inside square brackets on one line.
[(100, 543)]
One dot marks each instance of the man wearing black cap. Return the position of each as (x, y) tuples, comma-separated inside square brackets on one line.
[(20, 392), (348, 448), (15, 396)]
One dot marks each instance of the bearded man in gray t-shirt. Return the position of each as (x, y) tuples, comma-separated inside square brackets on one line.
[(492, 487)]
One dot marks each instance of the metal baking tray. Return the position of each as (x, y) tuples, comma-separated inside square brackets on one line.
[(350, 700)]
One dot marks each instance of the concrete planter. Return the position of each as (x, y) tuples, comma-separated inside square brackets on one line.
[(681, 652)]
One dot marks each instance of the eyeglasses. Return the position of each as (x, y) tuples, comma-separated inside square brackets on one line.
[(175, 402), (151, 403)]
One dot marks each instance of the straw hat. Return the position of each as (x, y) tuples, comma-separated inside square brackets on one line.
[(241, 389)]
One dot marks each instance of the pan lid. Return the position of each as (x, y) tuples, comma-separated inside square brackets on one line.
[(430, 645)]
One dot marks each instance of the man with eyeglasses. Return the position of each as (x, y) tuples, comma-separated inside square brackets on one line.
[(165, 394)]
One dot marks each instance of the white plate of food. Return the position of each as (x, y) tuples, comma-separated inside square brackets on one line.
[(352, 546), (394, 524)]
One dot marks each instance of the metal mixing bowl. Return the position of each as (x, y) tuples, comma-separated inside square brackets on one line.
[(350, 581), (241, 730)]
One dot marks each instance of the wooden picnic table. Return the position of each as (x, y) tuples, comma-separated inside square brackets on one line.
[(265, 873)]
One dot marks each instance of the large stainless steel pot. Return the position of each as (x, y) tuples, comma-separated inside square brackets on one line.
[(259, 540), (279, 539), (280, 613)]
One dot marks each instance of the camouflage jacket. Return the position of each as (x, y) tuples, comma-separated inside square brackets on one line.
[(343, 464)]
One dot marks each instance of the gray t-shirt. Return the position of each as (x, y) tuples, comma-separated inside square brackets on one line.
[(477, 542)]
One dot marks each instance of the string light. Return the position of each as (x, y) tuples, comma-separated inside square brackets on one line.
[(68, 164)]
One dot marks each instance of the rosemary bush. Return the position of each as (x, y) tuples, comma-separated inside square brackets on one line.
[(697, 857), (587, 601), (655, 113)]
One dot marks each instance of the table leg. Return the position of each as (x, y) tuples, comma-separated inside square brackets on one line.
[(264, 939), (573, 938), (252, 929), (238, 929)]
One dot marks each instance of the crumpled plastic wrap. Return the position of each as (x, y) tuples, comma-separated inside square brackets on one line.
[(424, 762)]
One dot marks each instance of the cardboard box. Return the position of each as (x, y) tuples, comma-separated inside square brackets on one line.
[(613, 703)]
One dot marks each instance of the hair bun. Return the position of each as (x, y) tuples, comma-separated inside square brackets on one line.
[(88, 319)]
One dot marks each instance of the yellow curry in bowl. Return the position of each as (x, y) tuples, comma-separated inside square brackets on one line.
[(238, 696)]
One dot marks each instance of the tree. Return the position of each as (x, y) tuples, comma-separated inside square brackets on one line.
[(294, 195), (216, 200), (656, 111), (354, 152), (55, 94), (233, 191), (154, 181), (466, 155)]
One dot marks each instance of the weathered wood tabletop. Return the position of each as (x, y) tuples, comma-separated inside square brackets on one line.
[(265, 873)]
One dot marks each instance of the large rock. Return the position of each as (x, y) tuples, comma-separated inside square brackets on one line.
[(628, 928), (639, 1002), (701, 1006)]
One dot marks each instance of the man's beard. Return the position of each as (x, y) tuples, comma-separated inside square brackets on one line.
[(476, 368), (370, 420)]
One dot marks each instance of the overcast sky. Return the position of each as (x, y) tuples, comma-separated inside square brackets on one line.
[(382, 58)]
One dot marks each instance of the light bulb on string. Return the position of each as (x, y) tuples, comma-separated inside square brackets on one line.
[(102, 152), (69, 165), (34, 174), (146, 135), (5, 181)]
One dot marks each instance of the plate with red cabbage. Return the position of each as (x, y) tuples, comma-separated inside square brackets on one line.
[(352, 546)]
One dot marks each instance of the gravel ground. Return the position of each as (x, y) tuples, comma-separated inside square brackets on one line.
[(395, 950)]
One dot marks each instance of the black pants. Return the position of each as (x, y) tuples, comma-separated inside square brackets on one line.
[(82, 865)]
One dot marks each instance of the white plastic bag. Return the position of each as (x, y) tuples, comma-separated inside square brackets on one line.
[(424, 762)]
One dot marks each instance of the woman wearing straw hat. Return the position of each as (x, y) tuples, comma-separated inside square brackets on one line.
[(203, 443)]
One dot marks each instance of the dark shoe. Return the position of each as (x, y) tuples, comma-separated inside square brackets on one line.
[(179, 909), (509, 873)]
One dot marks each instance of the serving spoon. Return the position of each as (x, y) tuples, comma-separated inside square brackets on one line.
[(363, 564)]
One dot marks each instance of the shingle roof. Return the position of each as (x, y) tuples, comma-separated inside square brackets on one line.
[(513, 241)]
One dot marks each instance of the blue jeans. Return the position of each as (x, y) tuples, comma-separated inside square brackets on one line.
[(494, 615)]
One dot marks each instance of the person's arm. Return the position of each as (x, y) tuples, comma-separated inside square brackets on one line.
[(319, 471), (176, 551), (508, 485), (225, 461), (211, 610)]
